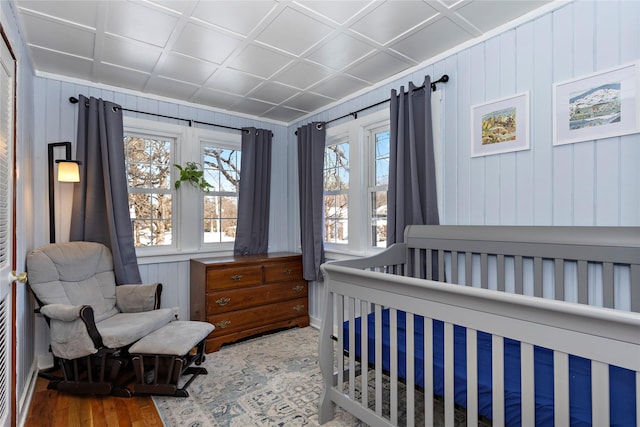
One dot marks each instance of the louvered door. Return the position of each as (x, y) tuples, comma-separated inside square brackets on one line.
[(7, 102)]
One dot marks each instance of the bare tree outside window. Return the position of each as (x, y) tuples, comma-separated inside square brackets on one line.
[(148, 162), (222, 170), (336, 193)]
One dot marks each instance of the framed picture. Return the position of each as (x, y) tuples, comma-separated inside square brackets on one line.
[(599, 105), (500, 126)]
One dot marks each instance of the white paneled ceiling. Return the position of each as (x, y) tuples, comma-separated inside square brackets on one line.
[(277, 60)]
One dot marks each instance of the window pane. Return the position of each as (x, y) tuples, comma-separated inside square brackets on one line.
[(151, 216), (336, 188), (382, 158), (222, 171), (148, 162), (379, 219)]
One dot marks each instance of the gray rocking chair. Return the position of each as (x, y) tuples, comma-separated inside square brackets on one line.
[(92, 321)]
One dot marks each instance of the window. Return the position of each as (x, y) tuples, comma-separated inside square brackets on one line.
[(336, 193), (378, 185), (222, 170), (166, 220), (148, 164)]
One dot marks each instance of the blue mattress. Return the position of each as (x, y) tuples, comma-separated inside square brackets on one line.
[(622, 390)]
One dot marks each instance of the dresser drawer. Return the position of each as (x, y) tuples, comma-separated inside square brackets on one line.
[(234, 299), (226, 278), (240, 320), (283, 271)]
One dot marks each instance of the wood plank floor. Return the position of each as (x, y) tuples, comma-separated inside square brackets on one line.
[(50, 408)]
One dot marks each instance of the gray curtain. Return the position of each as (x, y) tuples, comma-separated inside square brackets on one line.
[(311, 140), (100, 211), (412, 197), (252, 232)]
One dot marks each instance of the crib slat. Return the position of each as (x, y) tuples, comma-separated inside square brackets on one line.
[(472, 377), (441, 275), (468, 269), (454, 266), (638, 398), (635, 290), (501, 275), (364, 353), (561, 388), (484, 271), (583, 282), (428, 261), (410, 377), (340, 316), (559, 278), (528, 405), (608, 298), (537, 276), (378, 369), (519, 288), (352, 348), (428, 372), (497, 379), (599, 394), (393, 362), (448, 375)]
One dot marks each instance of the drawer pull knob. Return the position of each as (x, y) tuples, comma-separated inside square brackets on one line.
[(287, 271), (223, 301), (223, 324), (298, 307), (298, 288), (236, 277)]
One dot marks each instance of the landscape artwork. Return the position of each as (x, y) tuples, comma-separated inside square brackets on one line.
[(499, 126), (595, 107)]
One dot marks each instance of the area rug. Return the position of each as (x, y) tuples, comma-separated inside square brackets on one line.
[(273, 380)]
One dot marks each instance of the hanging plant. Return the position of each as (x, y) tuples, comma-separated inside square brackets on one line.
[(193, 174)]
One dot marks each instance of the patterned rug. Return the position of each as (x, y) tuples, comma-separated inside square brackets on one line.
[(273, 380)]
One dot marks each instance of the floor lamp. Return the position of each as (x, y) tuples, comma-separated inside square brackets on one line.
[(68, 171)]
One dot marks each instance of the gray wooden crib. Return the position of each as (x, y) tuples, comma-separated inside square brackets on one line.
[(518, 325)]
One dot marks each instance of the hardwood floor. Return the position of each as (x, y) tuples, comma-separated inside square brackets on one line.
[(50, 408)]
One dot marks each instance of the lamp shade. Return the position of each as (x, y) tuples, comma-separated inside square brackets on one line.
[(68, 171)]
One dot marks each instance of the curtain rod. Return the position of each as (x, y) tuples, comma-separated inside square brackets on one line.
[(75, 100), (443, 79)]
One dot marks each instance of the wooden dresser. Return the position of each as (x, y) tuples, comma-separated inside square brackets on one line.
[(247, 295)]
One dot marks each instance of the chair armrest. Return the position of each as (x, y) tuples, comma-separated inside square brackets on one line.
[(73, 330), (137, 298)]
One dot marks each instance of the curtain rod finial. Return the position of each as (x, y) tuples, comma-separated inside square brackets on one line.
[(73, 100)]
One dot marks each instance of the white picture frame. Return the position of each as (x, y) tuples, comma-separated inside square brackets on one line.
[(500, 126), (598, 105)]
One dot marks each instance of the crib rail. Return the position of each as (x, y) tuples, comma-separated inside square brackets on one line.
[(491, 258)]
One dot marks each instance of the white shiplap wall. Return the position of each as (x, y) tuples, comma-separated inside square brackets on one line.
[(586, 183)]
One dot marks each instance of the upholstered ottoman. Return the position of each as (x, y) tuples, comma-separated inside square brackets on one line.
[(160, 358)]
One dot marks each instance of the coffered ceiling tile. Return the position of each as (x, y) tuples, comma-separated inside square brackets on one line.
[(140, 22), (60, 63), (69, 39), (233, 81), (340, 51), (283, 114), (215, 98), (431, 40), (119, 76), (130, 54), (339, 86), (391, 19), (274, 93), (309, 102), (478, 12), (378, 67), (293, 32), (337, 11), (185, 68), (171, 88), (79, 12), (259, 61), (205, 43), (253, 107), (302, 75), (238, 16)]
